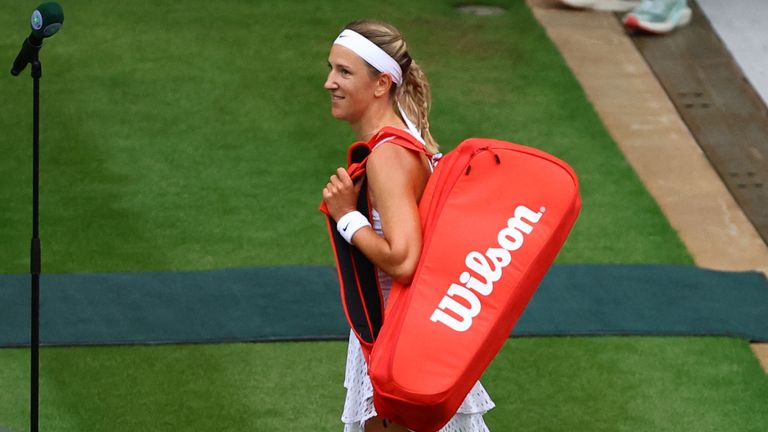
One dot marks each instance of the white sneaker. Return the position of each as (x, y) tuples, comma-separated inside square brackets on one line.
[(658, 16)]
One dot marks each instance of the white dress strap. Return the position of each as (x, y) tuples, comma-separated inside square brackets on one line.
[(432, 160)]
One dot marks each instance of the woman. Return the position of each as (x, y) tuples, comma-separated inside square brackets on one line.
[(374, 83)]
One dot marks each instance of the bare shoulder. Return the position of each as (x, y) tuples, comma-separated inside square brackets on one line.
[(393, 168), (389, 158)]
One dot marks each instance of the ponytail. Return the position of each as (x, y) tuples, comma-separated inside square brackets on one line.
[(415, 96)]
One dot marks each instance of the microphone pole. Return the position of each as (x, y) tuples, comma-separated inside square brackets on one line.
[(46, 20), (35, 252)]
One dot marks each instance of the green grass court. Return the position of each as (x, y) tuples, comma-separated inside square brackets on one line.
[(541, 384), (197, 135)]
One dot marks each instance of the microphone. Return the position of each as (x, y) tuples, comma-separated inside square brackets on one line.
[(46, 20)]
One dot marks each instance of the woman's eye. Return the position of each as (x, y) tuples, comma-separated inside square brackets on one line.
[(344, 72)]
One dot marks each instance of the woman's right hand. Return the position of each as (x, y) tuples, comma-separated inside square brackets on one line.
[(340, 194)]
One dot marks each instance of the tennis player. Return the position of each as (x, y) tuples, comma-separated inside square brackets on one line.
[(373, 83)]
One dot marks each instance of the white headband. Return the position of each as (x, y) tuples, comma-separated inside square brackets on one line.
[(371, 53)]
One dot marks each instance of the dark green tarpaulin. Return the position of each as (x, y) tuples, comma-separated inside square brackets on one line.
[(302, 302)]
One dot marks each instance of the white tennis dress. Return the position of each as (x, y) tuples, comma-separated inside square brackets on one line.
[(358, 405)]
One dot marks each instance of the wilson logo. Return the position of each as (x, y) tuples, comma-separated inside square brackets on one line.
[(484, 271)]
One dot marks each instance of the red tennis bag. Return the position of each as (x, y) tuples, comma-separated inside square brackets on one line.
[(494, 216)]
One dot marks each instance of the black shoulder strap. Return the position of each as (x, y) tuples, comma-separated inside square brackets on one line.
[(360, 290)]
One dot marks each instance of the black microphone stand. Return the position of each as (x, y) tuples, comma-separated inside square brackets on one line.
[(35, 258)]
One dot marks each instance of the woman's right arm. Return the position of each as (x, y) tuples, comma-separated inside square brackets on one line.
[(396, 179)]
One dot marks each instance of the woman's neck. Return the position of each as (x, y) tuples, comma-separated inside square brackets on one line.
[(374, 120)]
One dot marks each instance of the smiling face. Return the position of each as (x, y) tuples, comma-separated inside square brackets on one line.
[(351, 84)]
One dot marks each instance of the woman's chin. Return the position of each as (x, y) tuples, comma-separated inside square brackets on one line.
[(338, 114)]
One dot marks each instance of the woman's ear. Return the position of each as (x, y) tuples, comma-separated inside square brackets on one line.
[(383, 84)]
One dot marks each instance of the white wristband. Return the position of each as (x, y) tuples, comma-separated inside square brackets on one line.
[(348, 224)]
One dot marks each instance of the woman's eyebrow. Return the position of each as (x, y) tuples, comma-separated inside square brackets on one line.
[(339, 64)]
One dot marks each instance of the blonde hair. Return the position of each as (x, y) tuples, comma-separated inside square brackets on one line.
[(414, 93)]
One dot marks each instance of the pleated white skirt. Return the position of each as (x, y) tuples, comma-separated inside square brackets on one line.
[(358, 405)]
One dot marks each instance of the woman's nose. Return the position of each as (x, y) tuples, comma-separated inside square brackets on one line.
[(330, 82)]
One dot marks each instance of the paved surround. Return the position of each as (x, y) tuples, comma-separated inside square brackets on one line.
[(645, 124), (719, 106)]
